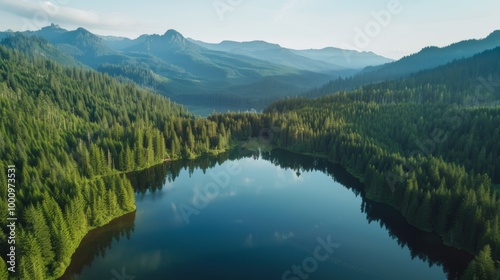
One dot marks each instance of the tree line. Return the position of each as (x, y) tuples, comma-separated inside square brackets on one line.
[(72, 133), (421, 145)]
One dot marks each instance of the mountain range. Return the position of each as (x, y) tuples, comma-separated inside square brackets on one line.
[(247, 74), (322, 60), (228, 75), (69, 131), (428, 58)]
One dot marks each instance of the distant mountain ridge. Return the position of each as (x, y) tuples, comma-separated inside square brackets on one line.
[(233, 75), (322, 60), (431, 57), (346, 58), (427, 58), (181, 69), (40, 47)]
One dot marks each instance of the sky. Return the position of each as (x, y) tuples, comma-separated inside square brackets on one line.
[(392, 28)]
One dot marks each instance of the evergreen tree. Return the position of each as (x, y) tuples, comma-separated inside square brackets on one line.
[(482, 267)]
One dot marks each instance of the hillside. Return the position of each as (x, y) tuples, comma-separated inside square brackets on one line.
[(180, 69), (328, 60), (425, 145), (427, 58), (71, 133), (431, 57)]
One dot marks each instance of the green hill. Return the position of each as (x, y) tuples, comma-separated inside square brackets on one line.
[(427, 145), (71, 133), (428, 58), (39, 47)]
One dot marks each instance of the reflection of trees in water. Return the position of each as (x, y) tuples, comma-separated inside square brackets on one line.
[(154, 178), (97, 242), (301, 164), (426, 246)]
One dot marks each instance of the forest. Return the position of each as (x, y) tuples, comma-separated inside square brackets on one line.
[(72, 134), (426, 145)]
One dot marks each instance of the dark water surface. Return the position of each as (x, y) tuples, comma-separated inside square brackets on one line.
[(274, 216)]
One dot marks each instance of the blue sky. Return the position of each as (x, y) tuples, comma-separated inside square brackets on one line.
[(403, 26)]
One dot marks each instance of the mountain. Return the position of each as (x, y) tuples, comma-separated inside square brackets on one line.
[(236, 74), (208, 63), (200, 62), (6, 34), (469, 82), (431, 57), (427, 58), (427, 145), (52, 32), (119, 43), (326, 60), (72, 134), (80, 43), (39, 47), (178, 68), (345, 58)]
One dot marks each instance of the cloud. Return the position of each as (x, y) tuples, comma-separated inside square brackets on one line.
[(38, 14), (150, 260), (283, 236), (249, 241), (248, 180)]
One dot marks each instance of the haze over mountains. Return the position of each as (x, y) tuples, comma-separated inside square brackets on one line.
[(427, 58), (421, 133), (242, 75), (324, 60), (229, 75)]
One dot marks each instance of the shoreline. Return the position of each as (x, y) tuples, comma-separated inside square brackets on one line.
[(361, 179), (163, 161), (254, 145)]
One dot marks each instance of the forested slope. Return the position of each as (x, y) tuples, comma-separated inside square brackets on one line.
[(427, 58), (427, 145), (70, 133)]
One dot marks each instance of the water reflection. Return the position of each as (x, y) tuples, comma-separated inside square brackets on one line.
[(97, 242), (425, 246)]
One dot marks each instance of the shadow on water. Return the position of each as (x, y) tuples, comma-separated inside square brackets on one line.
[(97, 242), (425, 246)]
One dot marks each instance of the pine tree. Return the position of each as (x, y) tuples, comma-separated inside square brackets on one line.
[(38, 226), (482, 267)]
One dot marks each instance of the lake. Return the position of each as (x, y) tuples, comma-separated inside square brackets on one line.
[(249, 216)]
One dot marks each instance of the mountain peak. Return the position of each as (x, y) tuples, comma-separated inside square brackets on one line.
[(52, 27), (82, 30), (82, 33), (494, 33), (173, 36), (171, 33)]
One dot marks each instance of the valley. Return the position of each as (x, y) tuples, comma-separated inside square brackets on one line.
[(114, 137)]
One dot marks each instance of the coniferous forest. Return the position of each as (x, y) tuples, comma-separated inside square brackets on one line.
[(427, 145), (71, 134)]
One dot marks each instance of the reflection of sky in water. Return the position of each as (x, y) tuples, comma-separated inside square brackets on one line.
[(266, 217)]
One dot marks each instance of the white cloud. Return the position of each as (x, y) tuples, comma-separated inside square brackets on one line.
[(249, 241), (248, 180), (38, 14), (283, 236), (150, 260)]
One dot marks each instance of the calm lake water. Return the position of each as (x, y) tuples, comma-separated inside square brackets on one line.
[(271, 216)]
